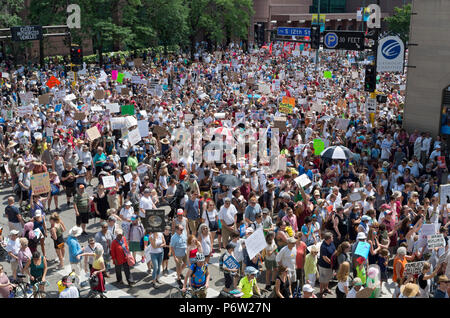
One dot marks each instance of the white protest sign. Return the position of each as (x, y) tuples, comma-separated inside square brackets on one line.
[(342, 124), (143, 128), (355, 196), (127, 177), (109, 181), (303, 180), (255, 243), (444, 194), (24, 110), (436, 240), (355, 75), (49, 131), (135, 79), (142, 169), (134, 137), (413, 268), (70, 97), (428, 229), (130, 121), (117, 123), (113, 108), (264, 89)]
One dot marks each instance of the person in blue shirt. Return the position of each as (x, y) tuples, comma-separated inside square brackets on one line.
[(193, 212), (251, 210), (441, 291), (198, 275), (75, 249), (306, 169), (178, 246)]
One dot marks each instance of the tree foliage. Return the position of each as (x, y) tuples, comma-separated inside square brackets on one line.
[(9, 12), (400, 21)]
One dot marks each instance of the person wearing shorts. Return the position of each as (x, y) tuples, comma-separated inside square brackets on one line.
[(68, 178), (166, 250), (325, 271), (178, 245), (81, 206), (230, 274)]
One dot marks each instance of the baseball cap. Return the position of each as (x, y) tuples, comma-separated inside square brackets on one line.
[(38, 213), (227, 199), (307, 288), (128, 202), (134, 218), (357, 281), (291, 240), (365, 218), (180, 212), (265, 211), (14, 232)]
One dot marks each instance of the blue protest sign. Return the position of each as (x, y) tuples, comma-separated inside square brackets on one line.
[(231, 262), (58, 108), (242, 230), (363, 249)]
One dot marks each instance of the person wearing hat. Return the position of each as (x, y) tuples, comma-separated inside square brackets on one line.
[(125, 215), (409, 290), (13, 248), (248, 284), (70, 291), (81, 206), (104, 238), (230, 273), (357, 285), (86, 157), (81, 173), (24, 181), (308, 291), (287, 258), (135, 233), (193, 211), (75, 249), (443, 287)]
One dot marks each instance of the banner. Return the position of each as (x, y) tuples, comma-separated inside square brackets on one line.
[(40, 183), (26, 33), (127, 109)]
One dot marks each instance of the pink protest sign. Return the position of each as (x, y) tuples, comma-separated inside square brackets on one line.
[(114, 74)]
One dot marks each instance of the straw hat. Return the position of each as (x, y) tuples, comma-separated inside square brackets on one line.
[(165, 141), (75, 231), (409, 290)]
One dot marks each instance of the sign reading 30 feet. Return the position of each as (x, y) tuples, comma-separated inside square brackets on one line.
[(344, 40)]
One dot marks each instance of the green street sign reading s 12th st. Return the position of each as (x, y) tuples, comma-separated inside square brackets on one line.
[(344, 40)]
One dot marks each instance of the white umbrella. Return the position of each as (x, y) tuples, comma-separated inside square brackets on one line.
[(337, 152)]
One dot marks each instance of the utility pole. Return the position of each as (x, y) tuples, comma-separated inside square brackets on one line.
[(317, 51), (375, 53)]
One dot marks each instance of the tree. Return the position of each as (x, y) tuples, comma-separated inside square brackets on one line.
[(400, 21), (9, 12)]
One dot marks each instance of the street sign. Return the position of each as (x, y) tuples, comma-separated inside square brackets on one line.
[(293, 31), (344, 40), (26, 33), (371, 105)]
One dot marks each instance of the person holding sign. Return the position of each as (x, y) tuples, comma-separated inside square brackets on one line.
[(228, 271), (400, 262), (81, 207)]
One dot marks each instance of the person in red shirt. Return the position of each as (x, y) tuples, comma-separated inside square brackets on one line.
[(245, 189), (119, 250), (183, 172), (300, 261)]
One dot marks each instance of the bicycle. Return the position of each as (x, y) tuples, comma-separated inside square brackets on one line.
[(21, 287), (93, 282), (189, 293), (38, 291)]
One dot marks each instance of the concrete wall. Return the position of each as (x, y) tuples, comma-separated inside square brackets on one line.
[(431, 58)]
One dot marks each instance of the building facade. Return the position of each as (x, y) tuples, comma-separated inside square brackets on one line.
[(340, 15)]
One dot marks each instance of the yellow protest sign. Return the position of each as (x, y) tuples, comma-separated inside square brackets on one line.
[(287, 105)]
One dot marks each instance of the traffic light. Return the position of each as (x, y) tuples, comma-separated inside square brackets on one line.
[(76, 55), (370, 83), (315, 36)]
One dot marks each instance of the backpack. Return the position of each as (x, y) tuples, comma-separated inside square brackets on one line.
[(261, 200), (334, 261)]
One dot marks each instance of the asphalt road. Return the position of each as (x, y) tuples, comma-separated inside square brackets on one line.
[(143, 288)]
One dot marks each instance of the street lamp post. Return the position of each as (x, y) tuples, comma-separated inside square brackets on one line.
[(317, 51)]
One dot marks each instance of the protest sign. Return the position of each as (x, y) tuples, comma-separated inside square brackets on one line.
[(52, 81), (436, 240), (231, 262), (49, 131), (113, 108), (99, 94), (327, 74), (127, 110), (142, 169), (355, 196), (154, 221), (134, 137), (130, 121), (127, 177), (287, 105), (342, 124), (303, 181), (255, 243), (138, 62), (363, 249), (444, 193), (143, 128), (93, 133), (120, 77), (44, 99), (413, 268), (26, 98), (25, 110), (40, 183), (117, 123), (160, 131), (109, 181), (280, 123), (319, 146), (79, 116), (428, 229), (114, 74)]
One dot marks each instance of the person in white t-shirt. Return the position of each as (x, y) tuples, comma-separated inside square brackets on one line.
[(70, 291), (146, 203), (287, 258), (357, 284), (125, 215)]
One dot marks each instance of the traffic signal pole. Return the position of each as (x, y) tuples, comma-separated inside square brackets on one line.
[(375, 53), (317, 50)]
